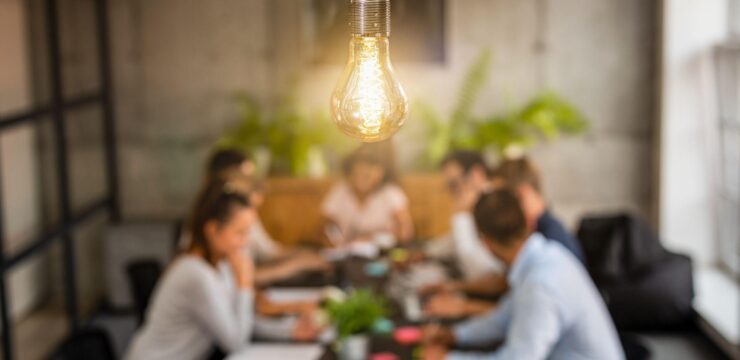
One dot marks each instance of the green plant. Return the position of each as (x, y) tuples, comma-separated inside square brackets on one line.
[(357, 313), (547, 116), (460, 130), (288, 132)]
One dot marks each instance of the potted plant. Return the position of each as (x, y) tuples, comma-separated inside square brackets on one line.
[(354, 316), (510, 133), (285, 139)]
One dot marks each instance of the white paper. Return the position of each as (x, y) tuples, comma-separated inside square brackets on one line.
[(335, 254), (294, 294), (365, 250), (279, 352)]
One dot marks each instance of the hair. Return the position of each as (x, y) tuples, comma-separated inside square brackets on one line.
[(519, 172), (467, 159), (499, 216), (217, 200), (225, 159), (380, 153)]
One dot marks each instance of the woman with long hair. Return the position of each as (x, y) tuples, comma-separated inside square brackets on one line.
[(194, 307)]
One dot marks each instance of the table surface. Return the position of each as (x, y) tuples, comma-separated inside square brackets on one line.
[(351, 272)]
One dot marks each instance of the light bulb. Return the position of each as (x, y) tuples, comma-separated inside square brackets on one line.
[(368, 102)]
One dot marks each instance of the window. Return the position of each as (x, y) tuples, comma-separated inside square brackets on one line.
[(727, 149)]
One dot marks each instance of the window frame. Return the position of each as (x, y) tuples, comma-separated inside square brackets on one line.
[(727, 60)]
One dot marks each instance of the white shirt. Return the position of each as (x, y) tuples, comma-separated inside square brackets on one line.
[(261, 244), (193, 308), (374, 215), (472, 256)]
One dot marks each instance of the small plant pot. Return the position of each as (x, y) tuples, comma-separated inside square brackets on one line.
[(353, 348)]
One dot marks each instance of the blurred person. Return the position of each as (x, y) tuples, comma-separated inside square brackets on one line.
[(285, 320), (467, 177), (553, 310), (206, 296), (368, 202), (523, 176), (193, 307), (274, 262)]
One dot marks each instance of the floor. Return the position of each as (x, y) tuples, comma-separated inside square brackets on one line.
[(36, 336), (681, 346)]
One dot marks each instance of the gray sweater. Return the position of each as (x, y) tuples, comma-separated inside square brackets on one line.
[(193, 308)]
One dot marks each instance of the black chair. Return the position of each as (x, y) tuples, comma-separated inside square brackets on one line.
[(645, 286), (634, 348), (85, 344), (143, 276)]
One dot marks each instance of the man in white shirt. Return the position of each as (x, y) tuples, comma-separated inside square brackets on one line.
[(467, 177)]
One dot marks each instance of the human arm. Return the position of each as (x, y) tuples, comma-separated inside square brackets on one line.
[(456, 306), (489, 285), (290, 266), (404, 229), (227, 316), (535, 325)]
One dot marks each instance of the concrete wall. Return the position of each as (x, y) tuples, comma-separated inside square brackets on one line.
[(177, 62)]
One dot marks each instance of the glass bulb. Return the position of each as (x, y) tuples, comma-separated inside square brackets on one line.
[(368, 103)]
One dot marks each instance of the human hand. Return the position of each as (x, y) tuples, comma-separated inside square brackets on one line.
[(466, 197), (307, 261), (306, 329), (434, 352), (243, 268), (442, 287), (446, 305), (435, 334), (307, 308)]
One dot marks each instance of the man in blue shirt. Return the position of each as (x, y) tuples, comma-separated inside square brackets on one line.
[(553, 310), (467, 174), (522, 176)]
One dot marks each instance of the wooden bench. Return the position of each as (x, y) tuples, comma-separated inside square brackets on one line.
[(292, 210)]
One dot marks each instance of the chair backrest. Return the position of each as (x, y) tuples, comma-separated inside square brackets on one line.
[(85, 344), (618, 246), (143, 276)]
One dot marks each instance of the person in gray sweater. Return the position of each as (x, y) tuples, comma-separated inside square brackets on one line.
[(194, 307)]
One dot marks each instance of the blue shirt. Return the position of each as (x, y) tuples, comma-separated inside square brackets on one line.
[(553, 229), (553, 311)]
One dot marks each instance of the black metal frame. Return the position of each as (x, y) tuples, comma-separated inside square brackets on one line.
[(57, 109)]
